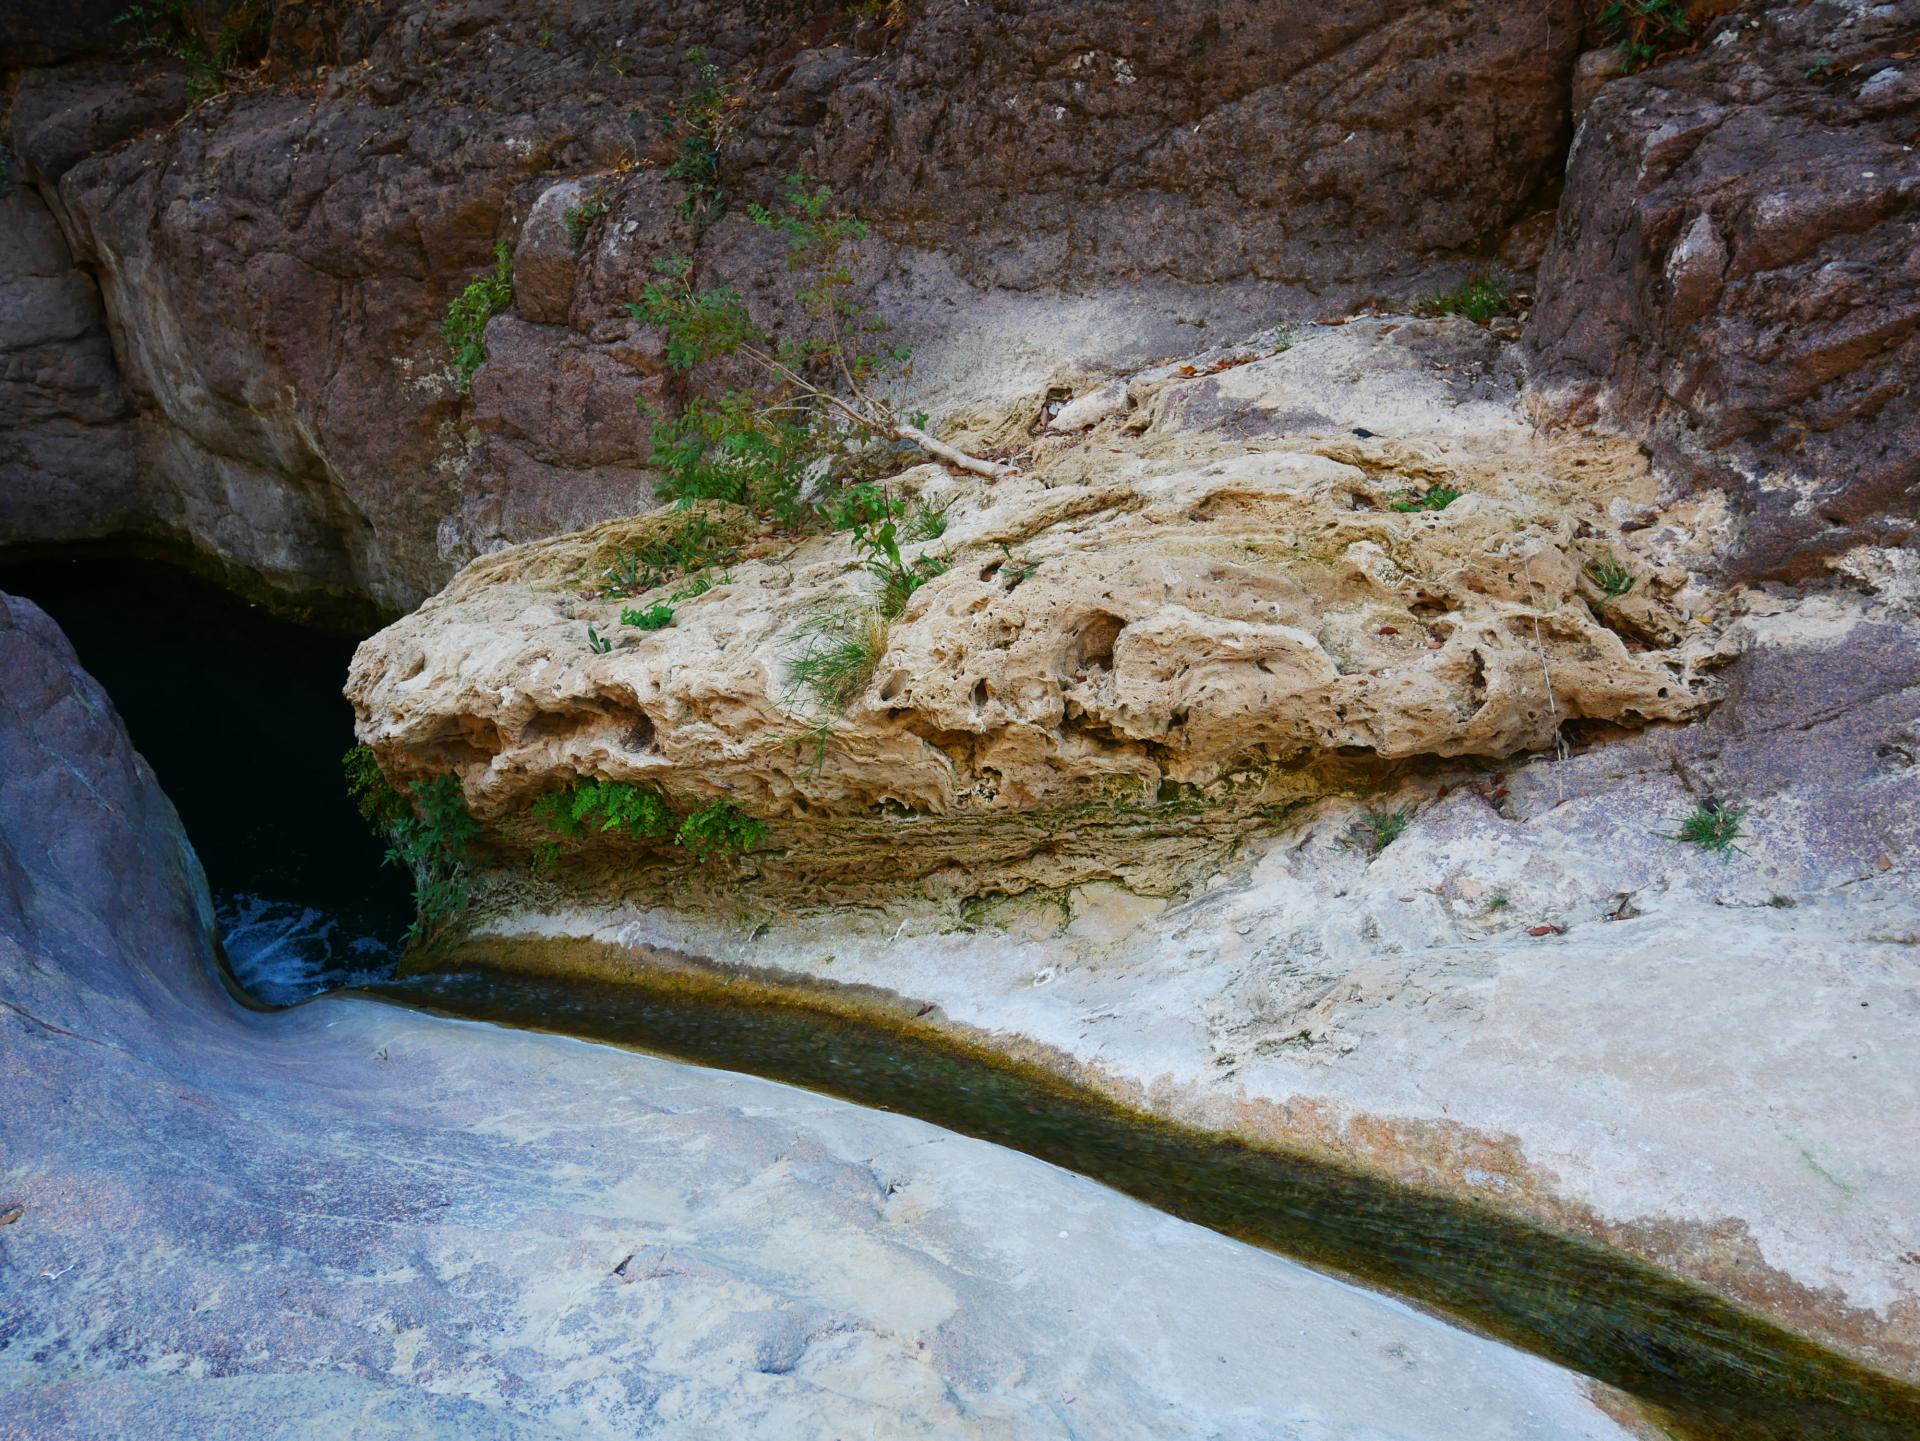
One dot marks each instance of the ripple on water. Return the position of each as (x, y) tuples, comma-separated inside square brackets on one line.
[(282, 951)]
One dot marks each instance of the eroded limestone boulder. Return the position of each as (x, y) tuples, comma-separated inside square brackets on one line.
[(1158, 603)]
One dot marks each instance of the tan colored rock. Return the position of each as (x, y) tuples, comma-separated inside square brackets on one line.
[(1255, 622)]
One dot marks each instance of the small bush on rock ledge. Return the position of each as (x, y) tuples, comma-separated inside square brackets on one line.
[(1478, 298), (721, 829), (469, 311), (605, 806), (428, 831)]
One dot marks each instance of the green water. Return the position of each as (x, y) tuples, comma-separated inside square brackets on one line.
[(1713, 1371)]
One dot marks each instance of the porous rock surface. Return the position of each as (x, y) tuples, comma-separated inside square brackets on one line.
[(1211, 590), (1736, 271), (1111, 179), (354, 1219)]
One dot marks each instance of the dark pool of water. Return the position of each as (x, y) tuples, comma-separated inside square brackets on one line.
[(1716, 1372), (239, 713)]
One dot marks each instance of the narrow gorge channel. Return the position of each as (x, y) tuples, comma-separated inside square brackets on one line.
[(238, 710), (959, 720)]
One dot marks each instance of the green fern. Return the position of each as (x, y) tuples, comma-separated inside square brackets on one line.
[(468, 313)]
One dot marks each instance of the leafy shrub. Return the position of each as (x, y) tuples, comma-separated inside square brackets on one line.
[(1644, 30), (428, 831), (735, 450), (868, 504), (758, 450), (468, 313), (862, 505), (654, 617), (838, 656), (702, 121), (170, 29), (1438, 497), (899, 578), (1479, 298), (638, 811), (721, 829)]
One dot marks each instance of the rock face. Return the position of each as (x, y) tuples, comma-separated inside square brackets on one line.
[(66, 433), (1737, 269), (350, 1217), (1111, 178), (1166, 601)]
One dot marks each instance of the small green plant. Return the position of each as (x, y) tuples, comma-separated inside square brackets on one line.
[(427, 830), (929, 522), (700, 585), (691, 545), (654, 617), (1498, 901), (1480, 297), (702, 122), (1710, 826), (1644, 30), (638, 811), (596, 642), (1438, 497), (465, 327), (817, 405), (899, 577), (1016, 570), (861, 505), (1820, 67), (170, 28), (838, 656), (1375, 830), (579, 218), (1613, 579), (721, 829)]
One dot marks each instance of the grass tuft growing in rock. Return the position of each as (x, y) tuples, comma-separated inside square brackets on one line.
[(1613, 579), (838, 656), (1375, 830), (1710, 826)]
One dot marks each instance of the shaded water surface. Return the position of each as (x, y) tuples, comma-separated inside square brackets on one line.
[(1715, 1371), (239, 713)]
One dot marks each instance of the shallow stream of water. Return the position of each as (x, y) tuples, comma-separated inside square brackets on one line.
[(241, 717)]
